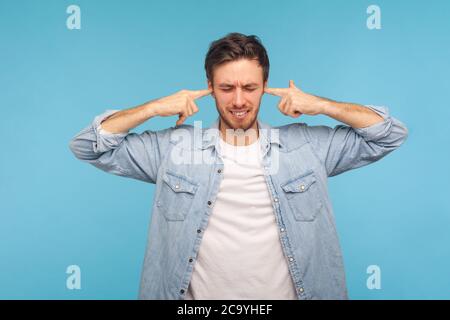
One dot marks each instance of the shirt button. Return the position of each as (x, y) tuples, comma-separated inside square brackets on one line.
[(276, 199), (219, 171), (291, 259), (199, 231), (190, 259), (300, 290), (177, 186), (282, 229), (209, 203), (302, 187), (181, 291)]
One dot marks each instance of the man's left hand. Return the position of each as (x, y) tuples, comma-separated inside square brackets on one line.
[(294, 102)]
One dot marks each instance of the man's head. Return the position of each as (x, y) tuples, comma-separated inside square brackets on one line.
[(237, 69)]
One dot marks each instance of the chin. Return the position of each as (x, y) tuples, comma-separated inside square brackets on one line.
[(239, 124)]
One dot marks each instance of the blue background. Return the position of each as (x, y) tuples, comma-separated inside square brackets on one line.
[(56, 211)]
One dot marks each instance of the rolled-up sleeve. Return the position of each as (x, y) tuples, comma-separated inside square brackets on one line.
[(131, 155), (343, 148)]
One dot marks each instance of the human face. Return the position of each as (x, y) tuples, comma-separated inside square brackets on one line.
[(238, 87)]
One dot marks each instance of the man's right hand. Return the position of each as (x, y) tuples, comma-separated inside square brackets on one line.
[(181, 103)]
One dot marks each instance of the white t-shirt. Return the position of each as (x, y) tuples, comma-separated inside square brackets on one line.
[(240, 256)]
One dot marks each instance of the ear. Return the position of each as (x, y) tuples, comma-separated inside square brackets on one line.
[(266, 84), (210, 86)]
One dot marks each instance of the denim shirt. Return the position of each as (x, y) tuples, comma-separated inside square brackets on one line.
[(184, 164)]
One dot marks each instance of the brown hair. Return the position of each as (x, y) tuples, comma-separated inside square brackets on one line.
[(235, 46)]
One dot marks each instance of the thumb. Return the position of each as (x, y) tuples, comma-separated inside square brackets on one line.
[(291, 84)]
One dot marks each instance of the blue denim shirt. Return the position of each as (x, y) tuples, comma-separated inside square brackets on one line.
[(184, 164)]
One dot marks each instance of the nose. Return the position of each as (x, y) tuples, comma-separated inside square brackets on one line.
[(238, 98)]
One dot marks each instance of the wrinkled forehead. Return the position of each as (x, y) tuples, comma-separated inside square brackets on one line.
[(239, 73)]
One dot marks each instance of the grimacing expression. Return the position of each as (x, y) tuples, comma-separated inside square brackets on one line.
[(238, 87)]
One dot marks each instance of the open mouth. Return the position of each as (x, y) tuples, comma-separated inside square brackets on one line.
[(241, 114)]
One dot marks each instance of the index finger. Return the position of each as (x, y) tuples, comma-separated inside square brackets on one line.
[(276, 91), (200, 93)]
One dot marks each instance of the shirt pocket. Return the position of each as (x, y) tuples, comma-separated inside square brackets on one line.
[(176, 196), (302, 196)]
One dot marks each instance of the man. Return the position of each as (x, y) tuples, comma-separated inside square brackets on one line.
[(242, 212)]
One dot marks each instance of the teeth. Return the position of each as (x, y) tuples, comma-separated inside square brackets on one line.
[(239, 113)]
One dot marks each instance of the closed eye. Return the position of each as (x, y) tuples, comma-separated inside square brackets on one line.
[(246, 89)]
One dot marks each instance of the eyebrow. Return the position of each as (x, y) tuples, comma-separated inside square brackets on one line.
[(252, 84)]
